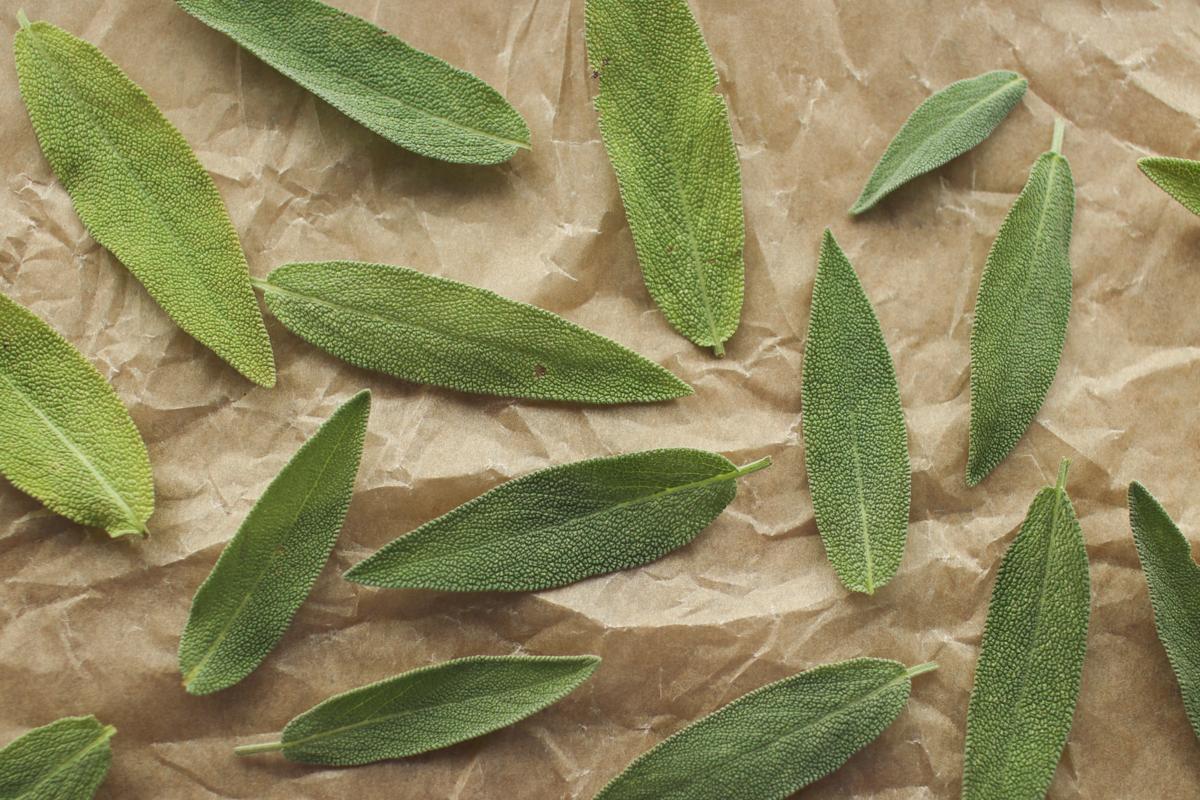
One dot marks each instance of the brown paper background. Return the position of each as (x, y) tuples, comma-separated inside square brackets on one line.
[(816, 89)]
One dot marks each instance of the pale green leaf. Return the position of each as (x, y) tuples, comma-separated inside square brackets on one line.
[(1174, 581), (432, 330), (1021, 313), (855, 440), (1031, 658), (1177, 177), (428, 708), (65, 760), (65, 437), (562, 524), (947, 124), (267, 570), (775, 740), (667, 133), (408, 97), (142, 194)]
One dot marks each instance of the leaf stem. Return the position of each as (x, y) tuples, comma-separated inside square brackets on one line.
[(21, 18), (251, 749), (1056, 143), (719, 349), (753, 466), (1062, 474), (920, 669), (260, 284)]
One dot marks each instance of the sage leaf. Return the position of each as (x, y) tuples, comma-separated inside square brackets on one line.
[(1177, 177), (855, 440), (437, 331), (141, 193), (1174, 581), (562, 524), (427, 709), (406, 96), (775, 740), (667, 133), (267, 570), (1021, 313), (65, 438), (1031, 657), (65, 760), (949, 123)]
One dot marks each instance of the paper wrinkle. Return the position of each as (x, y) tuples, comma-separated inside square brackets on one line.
[(91, 625)]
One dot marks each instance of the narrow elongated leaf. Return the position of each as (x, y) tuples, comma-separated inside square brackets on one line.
[(267, 570), (1177, 177), (141, 193), (65, 438), (408, 97), (1174, 581), (949, 123), (775, 740), (855, 440), (1031, 657), (1021, 313), (437, 331), (428, 708), (65, 760), (562, 524), (667, 133)]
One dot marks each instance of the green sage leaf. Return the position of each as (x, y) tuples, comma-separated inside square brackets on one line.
[(428, 708), (1021, 313), (775, 740), (65, 438), (141, 193), (855, 440), (562, 524), (267, 570), (1031, 657), (949, 123), (667, 133), (1177, 177), (406, 96), (1174, 581), (65, 760), (437, 331)]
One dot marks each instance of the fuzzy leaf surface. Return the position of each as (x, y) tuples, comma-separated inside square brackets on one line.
[(1177, 177), (65, 760)]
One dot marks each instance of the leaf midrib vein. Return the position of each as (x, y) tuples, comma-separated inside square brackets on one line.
[(80, 456)]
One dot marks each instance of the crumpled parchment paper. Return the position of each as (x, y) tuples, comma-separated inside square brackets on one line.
[(816, 90)]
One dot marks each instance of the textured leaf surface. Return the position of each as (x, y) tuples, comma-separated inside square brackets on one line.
[(771, 742), (1021, 315), (1031, 657), (142, 194), (432, 330), (65, 438), (408, 97), (562, 524), (1174, 581), (65, 760), (267, 570), (428, 708), (949, 123), (1177, 177), (855, 440), (667, 133)]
